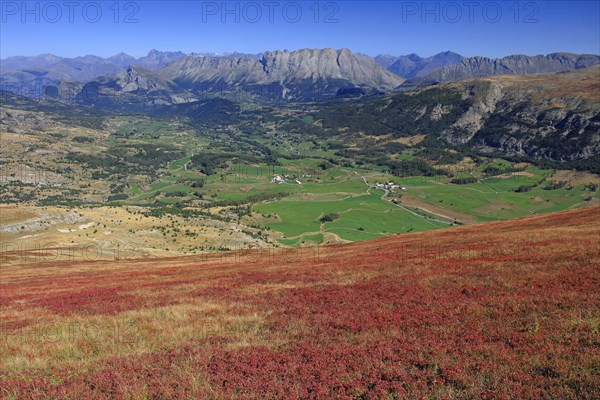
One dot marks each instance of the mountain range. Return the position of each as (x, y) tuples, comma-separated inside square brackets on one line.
[(302, 75), (30, 75), (472, 67)]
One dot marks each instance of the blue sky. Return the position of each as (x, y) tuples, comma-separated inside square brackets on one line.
[(468, 27)]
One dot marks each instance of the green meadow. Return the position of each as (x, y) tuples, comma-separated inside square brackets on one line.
[(314, 188)]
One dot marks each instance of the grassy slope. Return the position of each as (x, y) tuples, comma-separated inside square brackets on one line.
[(501, 310)]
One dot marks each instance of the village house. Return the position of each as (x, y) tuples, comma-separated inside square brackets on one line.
[(278, 179)]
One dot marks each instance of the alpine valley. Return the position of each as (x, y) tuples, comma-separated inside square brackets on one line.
[(313, 223)]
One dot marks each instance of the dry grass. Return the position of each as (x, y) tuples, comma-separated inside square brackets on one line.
[(575, 178), (410, 140), (584, 83), (107, 233)]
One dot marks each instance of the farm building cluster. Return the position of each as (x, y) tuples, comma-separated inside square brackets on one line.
[(390, 186)]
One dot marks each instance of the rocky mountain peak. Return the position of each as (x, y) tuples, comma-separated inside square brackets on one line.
[(297, 74)]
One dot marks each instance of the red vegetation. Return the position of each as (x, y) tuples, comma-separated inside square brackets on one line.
[(496, 311)]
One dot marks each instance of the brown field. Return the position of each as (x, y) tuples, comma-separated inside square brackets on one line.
[(410, 140), (108, 233)]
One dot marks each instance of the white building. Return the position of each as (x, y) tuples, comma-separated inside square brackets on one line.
[(278, 180)]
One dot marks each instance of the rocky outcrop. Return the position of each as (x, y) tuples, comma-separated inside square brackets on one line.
[(475, 117)]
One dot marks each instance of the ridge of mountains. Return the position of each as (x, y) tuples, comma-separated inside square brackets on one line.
[(473, 67), (48, 69), (412, 65), (301, 75)]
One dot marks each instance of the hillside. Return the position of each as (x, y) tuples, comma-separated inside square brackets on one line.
[(501, 310), (554, 117)]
